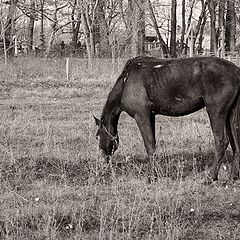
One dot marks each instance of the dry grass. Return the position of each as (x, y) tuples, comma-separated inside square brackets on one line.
[(52, 185)]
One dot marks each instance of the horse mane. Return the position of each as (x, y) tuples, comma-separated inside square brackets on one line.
[(114, 97)]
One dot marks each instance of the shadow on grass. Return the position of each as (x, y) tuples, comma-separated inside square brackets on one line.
[(221, 222), (26, 170), (88, 222), (174, 166), (64, 225)]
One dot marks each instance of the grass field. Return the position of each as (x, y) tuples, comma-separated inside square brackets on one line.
[(53, 185)]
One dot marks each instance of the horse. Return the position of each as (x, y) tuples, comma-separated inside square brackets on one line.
[(149, 86)]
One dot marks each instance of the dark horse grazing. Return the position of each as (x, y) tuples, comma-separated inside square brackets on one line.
[(176, 87)]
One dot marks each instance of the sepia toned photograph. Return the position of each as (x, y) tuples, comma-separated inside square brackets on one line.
[(119, 120)]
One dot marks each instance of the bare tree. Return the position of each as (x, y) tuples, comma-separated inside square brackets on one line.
[(173, 51), (88, 17), (230, 33), (183, 24), (110, 25), (32, 17), (201, 30), (55, 23), (201, 17), (102, 29), (2, 30), (191, 3), (9, 26), (213, 38), (76, 22), (221, 10), (42, 34), (136, 23), (198, 33)]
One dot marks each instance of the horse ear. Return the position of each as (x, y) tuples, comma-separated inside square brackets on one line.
[(97, 121)]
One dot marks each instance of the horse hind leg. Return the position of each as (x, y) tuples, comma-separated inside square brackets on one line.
[(218, 124), (233, 134)]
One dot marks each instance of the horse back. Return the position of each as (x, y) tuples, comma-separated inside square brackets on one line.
[(177, 87)]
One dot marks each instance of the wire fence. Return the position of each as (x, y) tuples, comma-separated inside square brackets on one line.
[(102, 66), (77, 68)]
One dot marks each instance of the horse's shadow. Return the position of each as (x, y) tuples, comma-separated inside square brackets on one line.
[(174, 166)]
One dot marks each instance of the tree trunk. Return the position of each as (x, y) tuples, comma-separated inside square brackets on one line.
[(230, 31), (134, 31), (201, 19), (173, 51), (123, 14), (9, 27), (53, 32), (188, 25), (221, 10), (75, 32), (42, 35), (76, 22), (3, 37), (141, 27), (201, 32), (87, 40), (221, 30), (50, 42), (213, 39), (183, 24), (136, 23), (31, 25), (102, 30)]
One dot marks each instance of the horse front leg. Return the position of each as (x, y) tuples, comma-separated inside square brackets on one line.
[(145, 124)]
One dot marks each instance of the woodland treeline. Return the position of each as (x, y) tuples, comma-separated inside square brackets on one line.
[(109, 28)]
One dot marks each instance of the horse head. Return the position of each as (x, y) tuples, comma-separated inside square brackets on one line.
[(108, 141)]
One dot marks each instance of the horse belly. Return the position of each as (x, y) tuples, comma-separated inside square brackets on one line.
[(177, 107)]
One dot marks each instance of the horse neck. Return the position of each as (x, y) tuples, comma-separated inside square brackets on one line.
[(111, 112)]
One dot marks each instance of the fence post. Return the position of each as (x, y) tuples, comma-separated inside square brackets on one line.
[(222, 43), (190, 36), (15, 46), (67, 68), (191, 43)]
